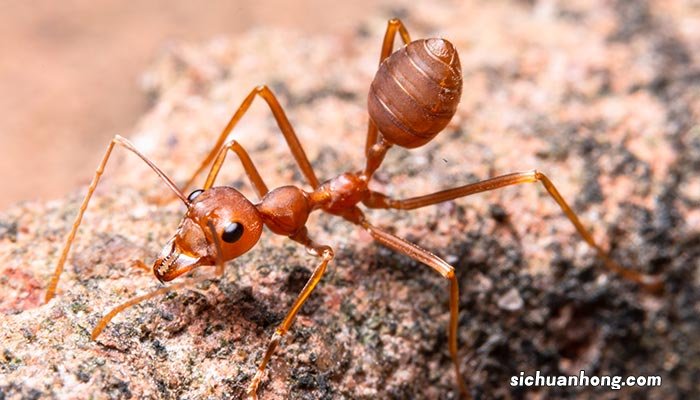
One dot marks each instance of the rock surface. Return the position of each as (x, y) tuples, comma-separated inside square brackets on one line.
[(602, 96)]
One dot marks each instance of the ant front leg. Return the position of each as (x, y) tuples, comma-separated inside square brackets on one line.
[(326, 254), (379, 200), (440, 266), (117, 140), (284, 125), (102, 323), (394, 25)]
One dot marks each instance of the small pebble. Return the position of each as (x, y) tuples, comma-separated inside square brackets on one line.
[(511, 301)]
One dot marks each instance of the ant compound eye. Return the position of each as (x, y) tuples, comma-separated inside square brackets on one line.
[(232, 233), (194, 195)]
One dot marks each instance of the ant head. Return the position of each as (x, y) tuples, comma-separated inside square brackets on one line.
[(220, 222)]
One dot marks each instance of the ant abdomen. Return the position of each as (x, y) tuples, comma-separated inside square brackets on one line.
[(415, 92)]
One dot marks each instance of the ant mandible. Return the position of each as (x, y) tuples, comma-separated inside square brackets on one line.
[(412, 98)]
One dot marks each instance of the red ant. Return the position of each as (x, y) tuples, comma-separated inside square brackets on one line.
[(412, 98)]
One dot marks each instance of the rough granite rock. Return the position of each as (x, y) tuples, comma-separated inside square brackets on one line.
[(603, 96)]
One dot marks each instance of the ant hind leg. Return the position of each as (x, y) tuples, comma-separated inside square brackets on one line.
[(438, 265), (378, 200)]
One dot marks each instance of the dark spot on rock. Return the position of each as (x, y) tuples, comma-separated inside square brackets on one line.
[(8, 230), (117, 389), (160, 350), (167, 316), (162, 388), (9, 361), (634, 18), (32, 394), (28, 334), (82, 376), (498, 213), (305, 381), (252, 309)]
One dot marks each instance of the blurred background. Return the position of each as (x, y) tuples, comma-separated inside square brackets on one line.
[(70, 72)]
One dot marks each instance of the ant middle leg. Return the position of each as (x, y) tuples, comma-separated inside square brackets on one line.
[(393, 26), (247, 163), (440, 266), (117, 140), (379, 200), (326, 254), (284, 125)]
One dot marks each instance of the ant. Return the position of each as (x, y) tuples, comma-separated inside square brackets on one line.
[(413, 96)]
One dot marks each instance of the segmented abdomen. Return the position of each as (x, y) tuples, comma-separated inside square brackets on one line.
[(416, 91)]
